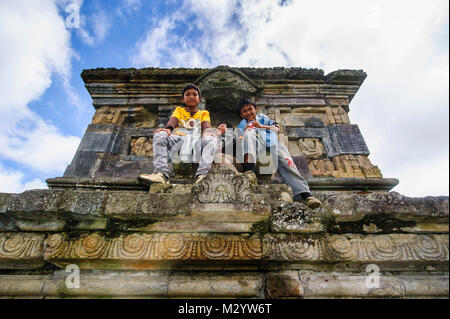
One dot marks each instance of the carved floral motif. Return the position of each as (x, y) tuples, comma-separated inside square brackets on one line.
[(396, 247), (20, 245), (157, 246)]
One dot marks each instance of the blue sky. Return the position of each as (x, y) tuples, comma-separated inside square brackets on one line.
[(401, 109)]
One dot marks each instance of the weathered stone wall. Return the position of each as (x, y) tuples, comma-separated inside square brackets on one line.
[(221, 238)]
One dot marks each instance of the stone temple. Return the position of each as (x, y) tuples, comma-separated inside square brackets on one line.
[(222, 238)]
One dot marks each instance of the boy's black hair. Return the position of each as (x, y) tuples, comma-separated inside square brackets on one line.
[(244, 102), (226, 123), (191, 86)]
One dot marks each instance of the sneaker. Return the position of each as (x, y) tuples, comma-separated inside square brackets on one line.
[(313, 202), (148, 179), (252, 177), (199, 179)]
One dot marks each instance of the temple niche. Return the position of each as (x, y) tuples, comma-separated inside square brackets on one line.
[(222, 237)]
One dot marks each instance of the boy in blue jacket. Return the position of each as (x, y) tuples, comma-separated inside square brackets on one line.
[(261, 132)]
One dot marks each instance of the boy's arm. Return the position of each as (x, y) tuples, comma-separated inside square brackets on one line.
[(273, 126), (173, 122)]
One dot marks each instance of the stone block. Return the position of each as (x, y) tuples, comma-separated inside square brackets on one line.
[(296, 218), (82, 164), (345, 285), (146, 206), (426, 285), (104, 283), (213, 285), (100, 142), (352, 207), (346, 139), (22, 285), (283, 285), (49, 204), (42, 204)]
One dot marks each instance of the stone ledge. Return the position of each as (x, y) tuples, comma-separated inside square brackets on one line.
[(349, 184), (110, 184), (58, 210), (344, 285), (179, 284), (133, 284), (308, 284), (131, 184)]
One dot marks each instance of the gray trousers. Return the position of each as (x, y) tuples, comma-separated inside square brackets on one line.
[(164, 143), (281, 160)]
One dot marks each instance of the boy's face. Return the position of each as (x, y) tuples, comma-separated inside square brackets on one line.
[(191, 98), (248, 112), (222, 128)]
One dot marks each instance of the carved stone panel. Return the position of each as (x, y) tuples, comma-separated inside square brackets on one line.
[(125, 116), (344, 166), (225, 78), (21, 250), (356, 248), (311, 147), (141, 146), (340, 116), (152, 247), (222, 186)]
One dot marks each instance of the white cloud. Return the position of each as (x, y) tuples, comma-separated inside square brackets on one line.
[(132, 4), (99, 23), (402, 108), (128, 7), (36, 46), (13, 182)]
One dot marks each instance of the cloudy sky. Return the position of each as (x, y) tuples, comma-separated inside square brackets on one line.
[(402, 108)]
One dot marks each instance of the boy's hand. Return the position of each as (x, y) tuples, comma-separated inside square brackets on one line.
[(256, 124), (163, 130)]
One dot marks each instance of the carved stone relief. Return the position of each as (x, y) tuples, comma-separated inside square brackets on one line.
[(405, 247), (340, 116), (221, 185), (311, 147), (156, 246), (344, 166), (20, 248), (224, 78), (141, 146), (131, 116)]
